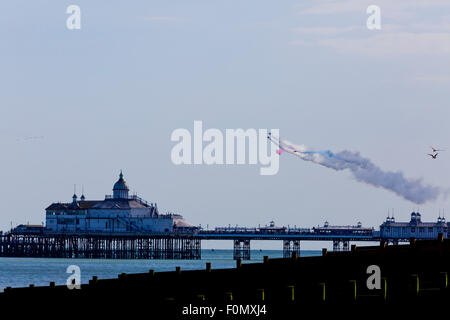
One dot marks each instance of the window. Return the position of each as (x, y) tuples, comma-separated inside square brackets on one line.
[(430, 229), (413, 230)]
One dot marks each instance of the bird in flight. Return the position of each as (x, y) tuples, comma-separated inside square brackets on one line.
[(435, 150), (434, 156)]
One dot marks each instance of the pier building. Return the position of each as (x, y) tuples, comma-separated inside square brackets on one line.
[(116, 213), (415, 228)]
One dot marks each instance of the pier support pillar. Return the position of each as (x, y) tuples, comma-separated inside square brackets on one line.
[(341, 245), (291, 246), (336, 245), (345, 245), (241, 249)]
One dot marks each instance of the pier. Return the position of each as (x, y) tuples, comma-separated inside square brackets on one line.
[(168, 245), (124, 226), (185, 243), (100, 246), (174, 245)]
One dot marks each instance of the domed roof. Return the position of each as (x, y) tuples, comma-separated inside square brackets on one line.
[(121, 184)]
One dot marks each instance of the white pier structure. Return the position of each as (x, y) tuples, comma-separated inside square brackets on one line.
[(415, 228), (117, 213)]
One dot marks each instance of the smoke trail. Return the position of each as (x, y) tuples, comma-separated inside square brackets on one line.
[(364, 170)]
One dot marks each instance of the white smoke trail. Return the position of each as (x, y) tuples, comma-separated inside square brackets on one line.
[(364, 170)]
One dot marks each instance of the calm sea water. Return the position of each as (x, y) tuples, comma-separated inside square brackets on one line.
[(21, 272)]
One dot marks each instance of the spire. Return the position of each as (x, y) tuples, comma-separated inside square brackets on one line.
[(82, 193), (74, 197), (120, 175)]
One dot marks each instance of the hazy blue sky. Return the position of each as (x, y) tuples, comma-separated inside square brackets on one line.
[(77, 106)]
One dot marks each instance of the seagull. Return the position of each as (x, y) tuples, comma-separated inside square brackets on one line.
[(435, 150), (433, 155)]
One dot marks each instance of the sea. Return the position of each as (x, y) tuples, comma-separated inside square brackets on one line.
[(21, 272)]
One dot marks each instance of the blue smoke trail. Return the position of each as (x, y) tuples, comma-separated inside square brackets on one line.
[(326, 152)]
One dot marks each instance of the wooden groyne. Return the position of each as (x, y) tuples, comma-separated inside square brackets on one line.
[(410, 275)]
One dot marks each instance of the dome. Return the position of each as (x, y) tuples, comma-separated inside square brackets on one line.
[(120, 184), (120, 189)]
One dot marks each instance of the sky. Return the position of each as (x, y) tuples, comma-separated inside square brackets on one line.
[(77, 106)]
